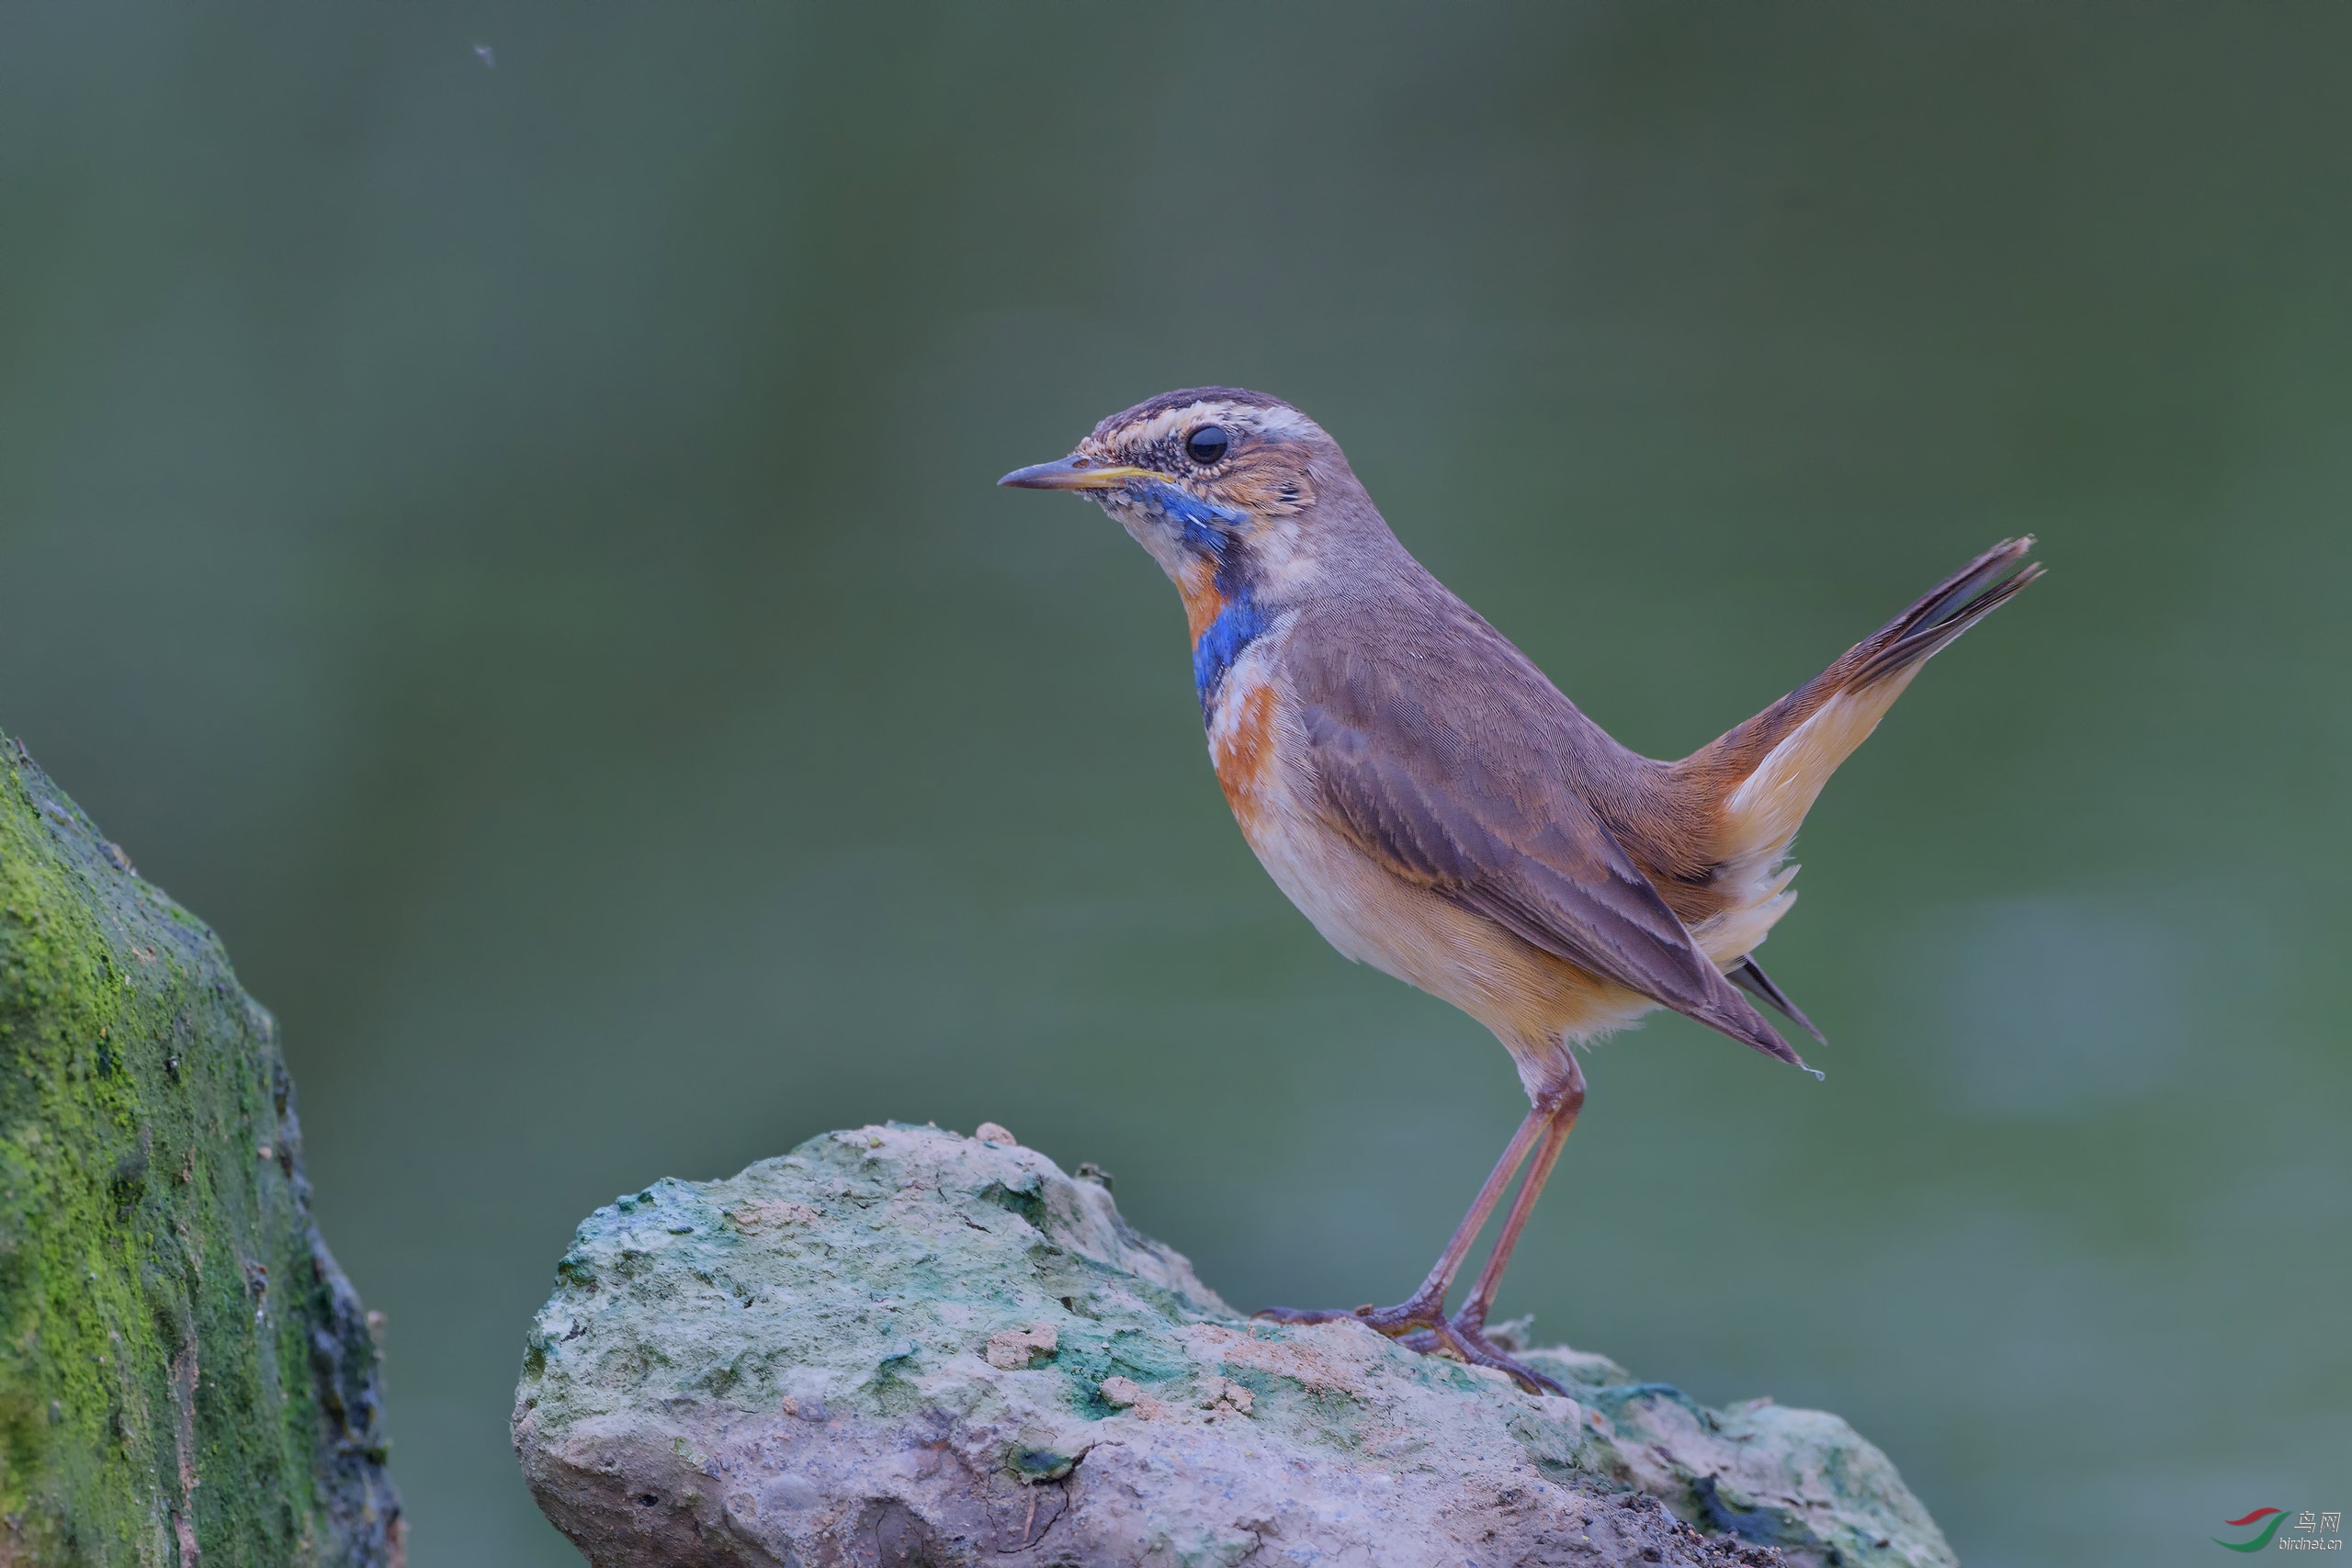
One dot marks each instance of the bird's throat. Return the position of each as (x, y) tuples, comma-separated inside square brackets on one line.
[(1238, 622), (1209, 556)]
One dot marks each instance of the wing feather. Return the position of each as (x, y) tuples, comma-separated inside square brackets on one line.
[(1486, 817)]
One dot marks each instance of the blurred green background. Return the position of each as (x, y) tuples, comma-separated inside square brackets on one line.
[(496, 513)]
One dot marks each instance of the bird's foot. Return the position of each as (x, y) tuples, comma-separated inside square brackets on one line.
[(1421, 1324), (1466, 1336), (1423, 1313)]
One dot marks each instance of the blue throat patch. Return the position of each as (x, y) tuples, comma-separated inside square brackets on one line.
[(1239, 624), (1208, 529)]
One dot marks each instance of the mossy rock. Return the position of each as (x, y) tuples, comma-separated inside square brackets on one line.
[(896, 1345), (185, 1373)]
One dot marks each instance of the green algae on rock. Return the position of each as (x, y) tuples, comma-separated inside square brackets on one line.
[(184, 1374), (899, 1345)]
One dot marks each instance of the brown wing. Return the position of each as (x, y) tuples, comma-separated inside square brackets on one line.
[(1448, 765)]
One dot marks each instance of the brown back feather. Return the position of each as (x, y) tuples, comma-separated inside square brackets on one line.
[(1444, 755)]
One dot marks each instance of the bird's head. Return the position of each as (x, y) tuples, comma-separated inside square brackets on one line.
[(1210, 479)]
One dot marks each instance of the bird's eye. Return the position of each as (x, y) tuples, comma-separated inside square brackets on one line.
[(1207, 444)]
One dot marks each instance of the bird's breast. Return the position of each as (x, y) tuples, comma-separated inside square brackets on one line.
[(1237, 673), (1228, 623), (1242, 740)]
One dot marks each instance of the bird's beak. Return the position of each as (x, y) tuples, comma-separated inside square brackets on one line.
[(1073, 473)]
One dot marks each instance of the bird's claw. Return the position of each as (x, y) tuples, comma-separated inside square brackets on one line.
[(1422, 1326), (1467, 1339), (1395, 1322)]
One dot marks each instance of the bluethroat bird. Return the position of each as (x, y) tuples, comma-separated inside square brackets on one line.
[(1442, 812)]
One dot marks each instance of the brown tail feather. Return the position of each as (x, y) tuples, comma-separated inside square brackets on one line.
[(1748, 792), (1974, 598), (1938, 615)]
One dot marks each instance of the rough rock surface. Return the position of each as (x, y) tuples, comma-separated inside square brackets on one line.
[(899, 1345), (185, 1373)]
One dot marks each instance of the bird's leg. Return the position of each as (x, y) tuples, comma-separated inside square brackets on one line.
[(1468, 1337), (1425, 1308), (1472, 1315)]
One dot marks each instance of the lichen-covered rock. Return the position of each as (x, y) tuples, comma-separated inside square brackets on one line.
[(184, 1374), (899, 1345)]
